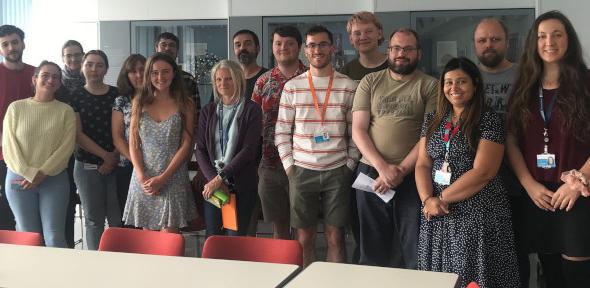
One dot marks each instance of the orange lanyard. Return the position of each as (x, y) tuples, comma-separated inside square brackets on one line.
[(315, 97)]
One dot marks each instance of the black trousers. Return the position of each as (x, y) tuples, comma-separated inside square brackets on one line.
[(6, 216), (389, 231)]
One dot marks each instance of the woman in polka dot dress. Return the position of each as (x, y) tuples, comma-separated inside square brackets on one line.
[(466, 226)]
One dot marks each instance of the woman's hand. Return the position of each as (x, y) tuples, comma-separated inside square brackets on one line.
[(36, 181), (434, 207), (153, 185), (540, 195), (565, 197), (211, 186)]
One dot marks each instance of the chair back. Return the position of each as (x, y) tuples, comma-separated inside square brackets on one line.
[(141, 241), (472, 285), (20, 238), (253, 249)]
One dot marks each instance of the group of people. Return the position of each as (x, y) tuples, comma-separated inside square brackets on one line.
[(477, 188)]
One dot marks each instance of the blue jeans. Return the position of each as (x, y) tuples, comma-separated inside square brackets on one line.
[(98, 194), (41, 209)]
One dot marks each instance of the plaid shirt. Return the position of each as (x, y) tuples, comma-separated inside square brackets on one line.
[(267, 94)]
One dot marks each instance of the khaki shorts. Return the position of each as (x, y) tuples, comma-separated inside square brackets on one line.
[(312, 190), (273, 188)]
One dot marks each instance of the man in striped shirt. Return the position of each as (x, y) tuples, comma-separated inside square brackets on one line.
[(313, 137)]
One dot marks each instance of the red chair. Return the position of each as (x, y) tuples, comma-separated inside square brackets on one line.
[(142, 242), (20, 238), (472, 285), (254, 249)]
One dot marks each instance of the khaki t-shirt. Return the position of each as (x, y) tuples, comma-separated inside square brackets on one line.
[(397, 111)]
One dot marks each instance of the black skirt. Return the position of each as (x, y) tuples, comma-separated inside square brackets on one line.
[(557, 232)]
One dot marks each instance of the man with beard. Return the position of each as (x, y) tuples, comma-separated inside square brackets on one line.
[(313, 137), (15, 84), (490, 41), (388, 111), (273, 185), (246, 49)]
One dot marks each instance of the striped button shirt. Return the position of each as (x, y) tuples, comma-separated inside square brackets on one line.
[(298, 122)]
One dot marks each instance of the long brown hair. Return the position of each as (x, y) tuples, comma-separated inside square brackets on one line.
[(573, 92), (473, 109), (177, 92), (125, 87)]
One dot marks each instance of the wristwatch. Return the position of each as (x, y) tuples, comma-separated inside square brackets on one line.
[(223, 176)]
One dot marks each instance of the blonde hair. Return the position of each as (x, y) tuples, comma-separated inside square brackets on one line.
[(365, 17), (237, 75)]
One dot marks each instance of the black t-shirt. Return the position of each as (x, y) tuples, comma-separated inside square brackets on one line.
[(355, 71), (95, 115), (251, 82)]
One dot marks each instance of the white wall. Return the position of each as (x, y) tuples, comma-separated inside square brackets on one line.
[(577, 12), (52, 23), (423, 5), (120, 10), (297, 7)]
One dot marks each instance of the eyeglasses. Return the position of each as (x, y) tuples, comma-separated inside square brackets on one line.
[(321, 45), (73, 56), (398, 49), (165, 45)]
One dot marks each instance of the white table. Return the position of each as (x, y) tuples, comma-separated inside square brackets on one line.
[(27, 266), (323, 274)]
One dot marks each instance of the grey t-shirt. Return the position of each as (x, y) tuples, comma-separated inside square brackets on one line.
[(497, 88)]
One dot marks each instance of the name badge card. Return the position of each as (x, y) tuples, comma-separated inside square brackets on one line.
[(321, 135), (546, 161), (443, 176)]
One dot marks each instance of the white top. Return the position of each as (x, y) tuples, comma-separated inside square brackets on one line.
[(29, 266), (324, 274)]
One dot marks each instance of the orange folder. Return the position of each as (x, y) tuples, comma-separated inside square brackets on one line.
[(229, 214)]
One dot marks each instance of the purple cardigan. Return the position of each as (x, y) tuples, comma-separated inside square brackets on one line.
[(243, 166)]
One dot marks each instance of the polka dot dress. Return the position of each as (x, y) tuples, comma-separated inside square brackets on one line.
[(475, 239)]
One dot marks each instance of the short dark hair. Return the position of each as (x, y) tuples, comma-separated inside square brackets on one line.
[(99, 53), (249, 32), (169, 36), (492, 19), (288, 31), (6, 30), (407, 31), (317, 29), (70, 43)]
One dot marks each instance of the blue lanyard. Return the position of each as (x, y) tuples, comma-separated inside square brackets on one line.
[(224, 134), (546, 115)]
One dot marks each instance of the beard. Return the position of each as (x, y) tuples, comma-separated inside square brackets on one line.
[(403, 69), (246, 57), (490, 58), (14, 57)]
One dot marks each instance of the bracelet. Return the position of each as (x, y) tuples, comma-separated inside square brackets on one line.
[(576, 175), (440, 197)]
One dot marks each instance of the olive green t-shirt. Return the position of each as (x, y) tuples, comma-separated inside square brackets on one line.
[(397, 111)]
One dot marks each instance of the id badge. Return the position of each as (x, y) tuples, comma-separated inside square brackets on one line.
[(546, 161), (88, 166), (15, 184), (321, 135), (442, 178)]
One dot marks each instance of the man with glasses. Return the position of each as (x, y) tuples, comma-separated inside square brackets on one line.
[(15, 84), (273, 185), (313, 137), (388, 111), (168, 43)]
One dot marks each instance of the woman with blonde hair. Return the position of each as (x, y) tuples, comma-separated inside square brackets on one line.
[(229, 135)]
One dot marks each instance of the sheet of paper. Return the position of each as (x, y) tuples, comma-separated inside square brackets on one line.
[(365, 183)]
